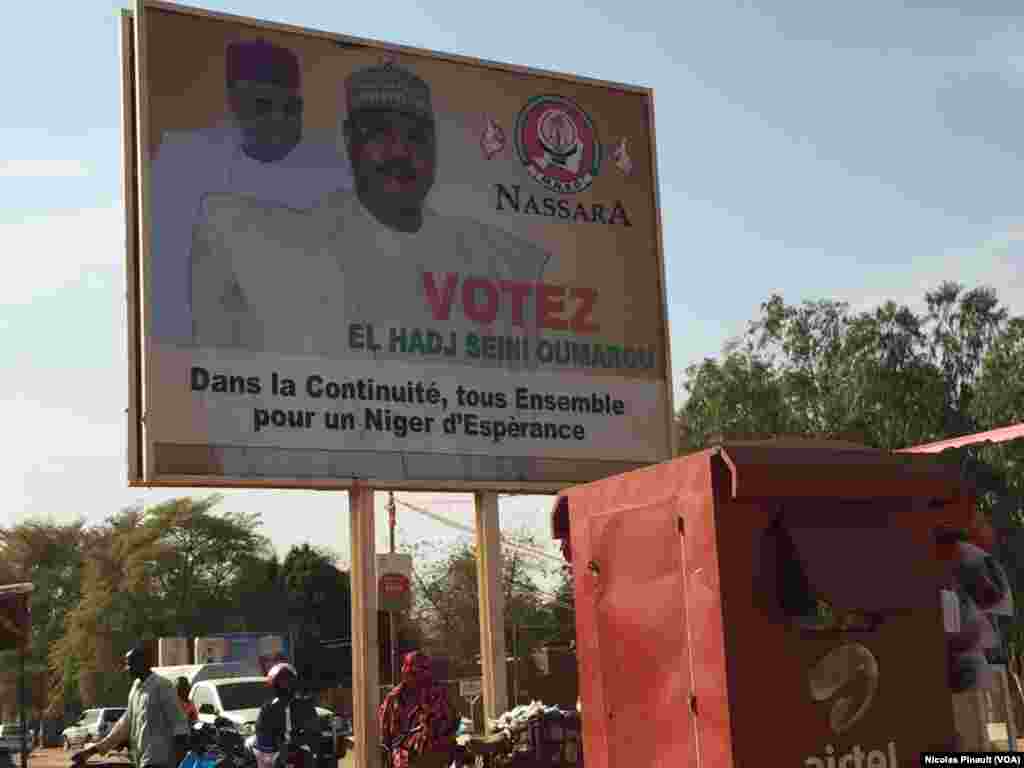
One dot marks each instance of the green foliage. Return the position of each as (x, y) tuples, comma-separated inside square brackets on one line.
[(446, 599), (887, 377)]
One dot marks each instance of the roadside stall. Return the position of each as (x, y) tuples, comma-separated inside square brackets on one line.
[(758, 589)]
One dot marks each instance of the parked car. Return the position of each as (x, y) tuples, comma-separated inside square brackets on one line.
[(239, 700), (10, 738), (93, 725)]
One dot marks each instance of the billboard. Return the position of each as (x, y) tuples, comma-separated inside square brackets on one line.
[(350, 260)]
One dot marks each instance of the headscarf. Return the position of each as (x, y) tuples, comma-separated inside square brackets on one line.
[(417, 700), (416, 670)]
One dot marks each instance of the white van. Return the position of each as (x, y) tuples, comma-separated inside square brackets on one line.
[(197, 673)]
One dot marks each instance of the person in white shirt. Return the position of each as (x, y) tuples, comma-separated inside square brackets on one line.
[(259, 151), (271, 278), (153, 725)]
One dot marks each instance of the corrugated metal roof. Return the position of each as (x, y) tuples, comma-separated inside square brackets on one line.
[(1000, 435)]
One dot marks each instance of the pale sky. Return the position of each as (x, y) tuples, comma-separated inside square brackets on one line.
[(858, 151)]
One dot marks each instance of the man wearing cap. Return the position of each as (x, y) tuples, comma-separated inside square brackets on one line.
[(259, 152), (272, 279)]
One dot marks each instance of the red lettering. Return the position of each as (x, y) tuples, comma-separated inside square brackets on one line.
[(550, 302), (520, 292), (581, 322), (485, 314), (440, 306)]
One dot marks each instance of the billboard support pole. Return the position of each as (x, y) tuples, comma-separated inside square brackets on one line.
[(392, 634), (492, 606), (365, 653)]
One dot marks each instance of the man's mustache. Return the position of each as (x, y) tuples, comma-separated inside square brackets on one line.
[(401, 169)]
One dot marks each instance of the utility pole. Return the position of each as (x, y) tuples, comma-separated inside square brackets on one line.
[(392, 636)]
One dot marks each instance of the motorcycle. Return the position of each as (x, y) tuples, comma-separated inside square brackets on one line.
[(217, 745), (295, 753)]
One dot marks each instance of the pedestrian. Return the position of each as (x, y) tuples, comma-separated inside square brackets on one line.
[(186, 706), (417, 721), (152, 723)]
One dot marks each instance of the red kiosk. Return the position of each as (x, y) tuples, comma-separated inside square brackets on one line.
[(772, 603)]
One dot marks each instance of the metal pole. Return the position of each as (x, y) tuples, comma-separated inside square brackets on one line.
[(21, 708), (515, 656), (392, 633)]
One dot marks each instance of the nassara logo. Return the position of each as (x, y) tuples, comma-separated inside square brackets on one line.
[(557, 143), (852, 671)]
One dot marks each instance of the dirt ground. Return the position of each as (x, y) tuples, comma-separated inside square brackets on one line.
[(58, 758)]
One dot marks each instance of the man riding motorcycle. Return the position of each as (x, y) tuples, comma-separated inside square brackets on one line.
[(286, 720)]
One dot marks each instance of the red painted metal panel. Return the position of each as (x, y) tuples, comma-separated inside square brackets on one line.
[(706, 630), (665, 611), (631, 621)]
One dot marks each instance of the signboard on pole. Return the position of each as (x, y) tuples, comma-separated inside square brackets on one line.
[(394, 580), (363, 261)]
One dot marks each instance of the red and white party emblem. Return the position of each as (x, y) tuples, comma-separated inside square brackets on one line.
[(557, 143)]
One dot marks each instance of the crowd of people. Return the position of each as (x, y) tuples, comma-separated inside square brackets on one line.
[(418, 723)]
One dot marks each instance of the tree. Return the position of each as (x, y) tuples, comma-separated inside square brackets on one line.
[(198, 559), (174, 569), (963, 327), (888, 377), (318, 596), (50, 556), (446, 599)]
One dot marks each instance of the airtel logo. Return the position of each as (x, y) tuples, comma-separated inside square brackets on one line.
[(849, 674)]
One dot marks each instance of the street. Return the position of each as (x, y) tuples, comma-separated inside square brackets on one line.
[(58, 758)]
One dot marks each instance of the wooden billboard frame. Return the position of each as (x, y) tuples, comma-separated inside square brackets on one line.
[(141, 465)]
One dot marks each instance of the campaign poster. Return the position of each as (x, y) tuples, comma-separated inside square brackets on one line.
[(358, 261)]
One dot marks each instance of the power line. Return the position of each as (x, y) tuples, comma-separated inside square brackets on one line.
[(467, 529)]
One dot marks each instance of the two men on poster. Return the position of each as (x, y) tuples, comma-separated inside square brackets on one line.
[(284, 254)]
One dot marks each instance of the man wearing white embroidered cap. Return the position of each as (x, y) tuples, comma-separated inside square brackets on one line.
[(268, 278)]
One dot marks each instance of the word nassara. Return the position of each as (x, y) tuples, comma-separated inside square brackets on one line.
[(558, 307), (511, 200), (855, 758)]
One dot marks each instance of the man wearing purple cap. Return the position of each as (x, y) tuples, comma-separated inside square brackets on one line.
[(278, 280), (259, 152)]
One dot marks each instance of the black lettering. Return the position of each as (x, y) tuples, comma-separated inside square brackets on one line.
[(200, 379), (508, 197), (549, 207), (397, 340), (261, 419), (619, 212), (597, 213), (578, 432), (581, 213), (531, 206), (339, 421), (564, 211), (355, 337)]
